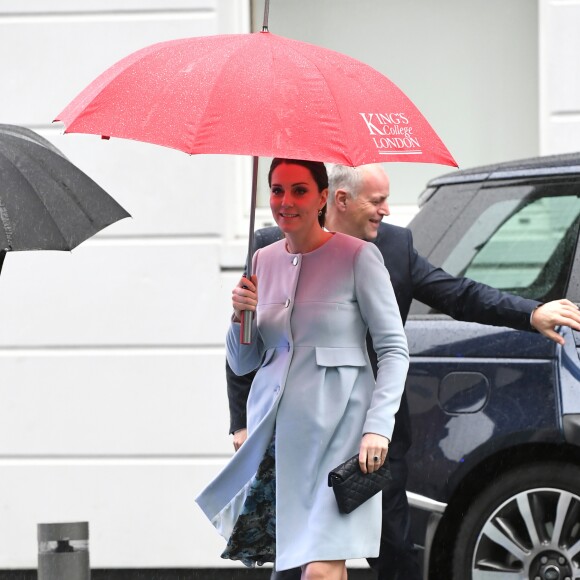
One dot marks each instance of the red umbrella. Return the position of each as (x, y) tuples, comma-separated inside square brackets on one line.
[(256, 94)]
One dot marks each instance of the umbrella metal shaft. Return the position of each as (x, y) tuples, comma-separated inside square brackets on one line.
[(266, 14), (247, 315)]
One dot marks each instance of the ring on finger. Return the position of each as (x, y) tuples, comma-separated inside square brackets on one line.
[(376, 458)]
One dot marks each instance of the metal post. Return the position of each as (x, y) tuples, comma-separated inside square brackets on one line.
[(63, 551)]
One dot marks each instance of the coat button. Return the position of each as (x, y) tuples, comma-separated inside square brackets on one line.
[(287, 303), (295, 260)]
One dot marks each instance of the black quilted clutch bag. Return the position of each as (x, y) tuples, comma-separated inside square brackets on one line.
[(352, 487)]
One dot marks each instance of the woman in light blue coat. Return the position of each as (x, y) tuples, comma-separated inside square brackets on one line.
[(314, 402)]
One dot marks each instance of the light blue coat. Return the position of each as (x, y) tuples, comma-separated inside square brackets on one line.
[(315, 389)]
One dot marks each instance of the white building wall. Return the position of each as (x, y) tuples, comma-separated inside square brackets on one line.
[(113, 407), (112, 393), (559, 76)]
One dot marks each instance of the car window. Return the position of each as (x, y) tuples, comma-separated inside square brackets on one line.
[(523, 246)]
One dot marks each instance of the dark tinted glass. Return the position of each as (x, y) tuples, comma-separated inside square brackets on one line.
[(528, 253), (520, 239)]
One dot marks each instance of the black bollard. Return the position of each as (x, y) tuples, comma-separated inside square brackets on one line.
[(63, 551)]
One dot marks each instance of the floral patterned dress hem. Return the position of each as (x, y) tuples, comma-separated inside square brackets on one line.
[(253, 539)]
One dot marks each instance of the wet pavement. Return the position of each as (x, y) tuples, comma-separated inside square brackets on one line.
[(179, 574)]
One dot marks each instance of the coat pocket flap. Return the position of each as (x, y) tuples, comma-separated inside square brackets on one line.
[(339, 357)]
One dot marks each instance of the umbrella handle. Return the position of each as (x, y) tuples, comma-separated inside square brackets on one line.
[(246, 327)]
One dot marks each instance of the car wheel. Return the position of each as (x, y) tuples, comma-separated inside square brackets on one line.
[(525, 525)]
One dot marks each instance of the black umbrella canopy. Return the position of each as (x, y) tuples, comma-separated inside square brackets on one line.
[(25, 133), (47, 202)]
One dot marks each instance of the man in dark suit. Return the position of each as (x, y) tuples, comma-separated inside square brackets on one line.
[(357, 203)]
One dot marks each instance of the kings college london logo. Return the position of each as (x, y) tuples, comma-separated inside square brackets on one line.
[(392, 134)]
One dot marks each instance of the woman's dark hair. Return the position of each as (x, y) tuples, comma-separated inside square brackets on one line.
[(317, 170)]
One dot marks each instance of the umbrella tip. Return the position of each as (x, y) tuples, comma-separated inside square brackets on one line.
[(266, 14), (105, 137)]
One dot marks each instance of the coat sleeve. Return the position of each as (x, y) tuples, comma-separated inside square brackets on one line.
[(244, 358), (239, 386), (238, 392), (467, 300), (380, 311)]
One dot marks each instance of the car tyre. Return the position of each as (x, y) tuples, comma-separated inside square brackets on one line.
[(526, 524)]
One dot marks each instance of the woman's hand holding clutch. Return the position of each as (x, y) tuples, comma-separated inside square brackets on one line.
[(373, 452)]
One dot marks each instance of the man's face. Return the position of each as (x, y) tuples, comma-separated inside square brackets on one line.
[(365, 212)]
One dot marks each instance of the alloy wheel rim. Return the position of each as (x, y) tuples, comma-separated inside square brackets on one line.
[(533, 535)]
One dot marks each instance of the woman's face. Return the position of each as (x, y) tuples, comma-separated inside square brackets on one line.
[(294, 199)]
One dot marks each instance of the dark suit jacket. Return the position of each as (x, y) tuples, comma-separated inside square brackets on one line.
[(413, 277)]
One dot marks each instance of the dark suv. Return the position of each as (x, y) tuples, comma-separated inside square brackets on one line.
[(494, 479)]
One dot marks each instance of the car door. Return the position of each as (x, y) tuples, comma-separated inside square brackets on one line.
[(476, 389)]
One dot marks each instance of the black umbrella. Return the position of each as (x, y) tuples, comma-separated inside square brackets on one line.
[(46, 202)]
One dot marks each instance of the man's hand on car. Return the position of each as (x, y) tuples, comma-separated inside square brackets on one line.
[(556, 313)]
